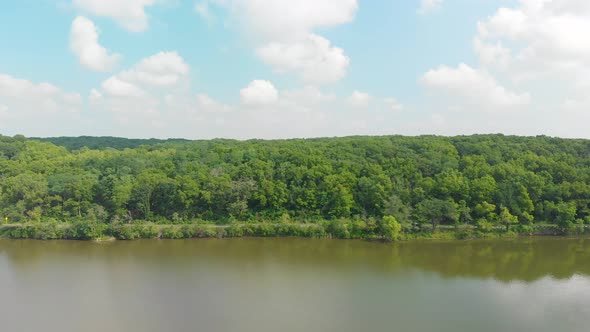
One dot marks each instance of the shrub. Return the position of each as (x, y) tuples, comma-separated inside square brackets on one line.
[(172, 232), (389, 228), (338, 229), (235, 230), (86, 230), (484, 226), (524, 229), (149, 231), (126, 232)]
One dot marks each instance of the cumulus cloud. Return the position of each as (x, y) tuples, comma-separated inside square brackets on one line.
[(286, 19), (208, 104), (476, 87), (427, 6), (263, 111), (94, 95), (308, 95), (84, 43), (130, 14), (13, 88), (538, 39), (536, 46), (287, 42), (359, 99), (393, 104), (313, 58), (164, 69), (259, 92), (117, 87), (161, 69), (138, 99), (35, 108)]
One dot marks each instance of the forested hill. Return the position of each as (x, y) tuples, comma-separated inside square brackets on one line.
[(484, 179), (104, 142)]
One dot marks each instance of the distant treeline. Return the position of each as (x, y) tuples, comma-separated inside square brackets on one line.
[(370, 185), (104, 142)]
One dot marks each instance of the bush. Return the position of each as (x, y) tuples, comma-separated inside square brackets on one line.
[(339, 229), (189, 231), (172, 232), (126, 232), (524, 229), (235, 230), (86, 230), (49, 231), (465, 234), (359, 229), (389, 228), (484, 226), (149, 231)]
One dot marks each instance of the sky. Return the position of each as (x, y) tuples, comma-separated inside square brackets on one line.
[(282, 68)]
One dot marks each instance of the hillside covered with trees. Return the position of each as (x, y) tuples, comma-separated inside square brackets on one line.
[(351, 186), (103, 142)]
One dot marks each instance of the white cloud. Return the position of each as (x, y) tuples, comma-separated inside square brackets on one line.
[(13, 88), (117, 87), (308, 95), (492, 53), (475, 87), (84, 43), (259, 92), (537, 46), (304, 100), (161, 69), (130, 14), (4, 115), (94, 95), (359, 99), (427, 6), (35, 108), (313, 58), (140, 98), (538, 39), (393, 104), (208, 104), (264, 111), (283, 31), (287, 19)]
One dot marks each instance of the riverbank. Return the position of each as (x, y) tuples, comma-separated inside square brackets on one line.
[(146, 230)]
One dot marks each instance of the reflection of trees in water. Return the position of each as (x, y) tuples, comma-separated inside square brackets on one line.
[(505, 260)]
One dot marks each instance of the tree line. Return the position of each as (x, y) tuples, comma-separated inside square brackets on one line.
[(375, 183)]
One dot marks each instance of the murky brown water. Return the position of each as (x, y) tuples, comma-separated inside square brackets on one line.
[(262, 285)]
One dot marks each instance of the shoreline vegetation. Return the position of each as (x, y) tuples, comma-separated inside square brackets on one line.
[(339, 229), (376, 188)]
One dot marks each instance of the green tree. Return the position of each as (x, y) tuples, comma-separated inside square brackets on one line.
[(389, 228), (507, 219), (436, 212)]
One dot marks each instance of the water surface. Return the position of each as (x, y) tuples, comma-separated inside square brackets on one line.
[(265, 285)]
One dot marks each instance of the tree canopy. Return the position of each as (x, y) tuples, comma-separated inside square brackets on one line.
[(430, 180)]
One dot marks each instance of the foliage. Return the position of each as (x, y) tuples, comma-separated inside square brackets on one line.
[(389, 228), (348, 187)]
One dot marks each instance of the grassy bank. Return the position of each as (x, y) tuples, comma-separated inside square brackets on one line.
[(147, 230)]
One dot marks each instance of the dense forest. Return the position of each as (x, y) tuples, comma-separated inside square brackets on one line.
[(350, 186), (104, 142)]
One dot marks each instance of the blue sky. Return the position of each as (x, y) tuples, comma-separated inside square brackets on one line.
[(280, 68)]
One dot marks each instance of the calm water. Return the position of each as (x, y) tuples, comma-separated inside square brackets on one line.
[(295, 285)]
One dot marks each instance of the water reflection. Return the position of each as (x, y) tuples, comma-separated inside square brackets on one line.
[(295, 285), (504, 260)]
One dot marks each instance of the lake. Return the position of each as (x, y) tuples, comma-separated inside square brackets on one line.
[(289, 284)]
